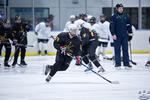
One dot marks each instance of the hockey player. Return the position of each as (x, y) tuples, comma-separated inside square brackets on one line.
[(103, 36), (5, 35), (94, 26), (71, 21), (67, 45), (43, 34), (88, 26), (19, 33), (118, 28), (89, 44)]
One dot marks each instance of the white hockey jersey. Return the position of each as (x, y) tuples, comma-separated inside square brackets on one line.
[(104, 32), (43, 31), (96, 28)]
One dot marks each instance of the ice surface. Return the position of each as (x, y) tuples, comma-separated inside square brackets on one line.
[(74, 84)]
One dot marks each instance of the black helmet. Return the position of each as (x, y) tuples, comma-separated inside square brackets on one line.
[(83, 16), (5, 21), (93, 20), (17, 17), (119, 5), (102, 16), (47, 20)]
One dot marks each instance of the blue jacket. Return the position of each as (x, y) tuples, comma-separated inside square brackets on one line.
[(120, 25)]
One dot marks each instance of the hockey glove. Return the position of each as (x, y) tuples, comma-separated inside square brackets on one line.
[(78, 59), (63, 50), (130, 35)]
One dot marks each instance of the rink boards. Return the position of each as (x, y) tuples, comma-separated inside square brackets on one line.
[(140, 43)]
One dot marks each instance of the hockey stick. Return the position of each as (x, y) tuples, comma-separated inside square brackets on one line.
[(17, 47), (52, 37), (112, 82), (134, 63), (25, 45), (18, 44)]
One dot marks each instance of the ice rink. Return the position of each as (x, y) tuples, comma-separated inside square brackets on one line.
[(74, 84)]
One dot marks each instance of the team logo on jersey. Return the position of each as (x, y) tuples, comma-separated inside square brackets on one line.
[(3, 38), (57, 39), (69, 48), (84, 35)]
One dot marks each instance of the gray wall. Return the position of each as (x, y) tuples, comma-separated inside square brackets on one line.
[(94, 7)]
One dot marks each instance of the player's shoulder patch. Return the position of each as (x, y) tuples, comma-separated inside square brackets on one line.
[(57, 38)]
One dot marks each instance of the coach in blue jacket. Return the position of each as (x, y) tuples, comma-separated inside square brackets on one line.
[(120, 26)]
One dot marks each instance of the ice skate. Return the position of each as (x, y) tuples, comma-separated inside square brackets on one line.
[(147, 64), (23, 63), (117, 67), (129, 67), (14, 64), (100, 69), (48, 78), (90, 66)]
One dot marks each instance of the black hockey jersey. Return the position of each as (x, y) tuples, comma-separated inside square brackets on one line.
[(19, 32), (73, 45), (87, 36), (5, 34)]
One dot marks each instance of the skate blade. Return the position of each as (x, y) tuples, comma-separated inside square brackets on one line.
[(22, 66)]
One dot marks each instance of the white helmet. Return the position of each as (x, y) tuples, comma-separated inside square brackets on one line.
[(72, 16), (72, 27), (89, 17), (79, 23)]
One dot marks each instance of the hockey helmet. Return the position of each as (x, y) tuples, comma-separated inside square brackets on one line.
[(6, 21), (93, 20), (88, 18), (72, 16), (79, 23), (119, 5), (72, 29), (17, 17), (102, 16)]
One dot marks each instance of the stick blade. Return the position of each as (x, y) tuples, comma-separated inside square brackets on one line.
[(134, 63), (114, 82)]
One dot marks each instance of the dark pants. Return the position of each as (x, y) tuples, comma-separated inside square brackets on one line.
[(62, 62), (7, 51), (121, 42), (88, 52), (103, 44), (17, 50), (43, 40), (20, 48)]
